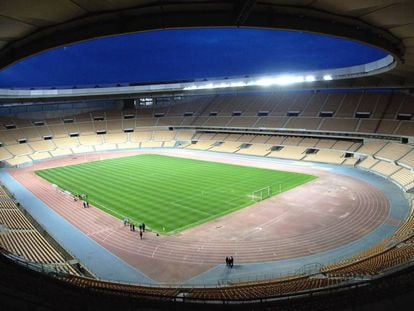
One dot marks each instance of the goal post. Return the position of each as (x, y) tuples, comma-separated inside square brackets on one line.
[(261, 194)]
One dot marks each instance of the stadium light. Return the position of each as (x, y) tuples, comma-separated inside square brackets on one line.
[(280, 80), (264, 82), (221, 85), (310, 78), (286, 80), (238, 84), (327, 77)]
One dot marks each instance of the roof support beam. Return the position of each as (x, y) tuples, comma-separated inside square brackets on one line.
[(243, 10)]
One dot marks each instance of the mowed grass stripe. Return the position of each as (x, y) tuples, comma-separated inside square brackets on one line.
[(170, 194), (121, 203)]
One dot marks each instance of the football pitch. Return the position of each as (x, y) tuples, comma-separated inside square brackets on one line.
[(170, 194)]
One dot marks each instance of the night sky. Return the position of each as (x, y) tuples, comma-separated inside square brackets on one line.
[(173, 55)]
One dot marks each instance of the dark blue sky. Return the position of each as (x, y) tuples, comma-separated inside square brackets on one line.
[(185, 54)]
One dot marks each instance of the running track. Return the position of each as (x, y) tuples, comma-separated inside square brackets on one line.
[(325, 214)]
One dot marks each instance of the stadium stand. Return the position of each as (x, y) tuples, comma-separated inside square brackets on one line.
[(20, 237), (115, 138), (40, 156), (16, 161), (140, 136), (260, 139), (345, 145), (276, 140), (163, 136), (350, 161), (256, 149), (325, 119), (82, 149), (292, 141), (43, 145), (90, 140), (223, 137), (326, 156), (184, 135), (169, 144), (325, 143), (408, 160), (368, 162), (289, 152), (390, 159), (19, 149), (242, 122), (61, 152), (151, 144), (385, 168), (371, 148), (105, 146), (405, 178), (393, 151), (308, 142), (66, 143), (246, 138), (339, 125), (201, 145), (227, 147), (405, 128), (4, 154)]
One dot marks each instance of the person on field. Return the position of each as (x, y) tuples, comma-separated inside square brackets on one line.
[(140, 234)]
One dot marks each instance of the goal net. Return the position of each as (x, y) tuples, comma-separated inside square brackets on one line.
[(261, 194)]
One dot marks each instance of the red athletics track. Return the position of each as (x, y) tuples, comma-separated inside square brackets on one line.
[(322, 215)]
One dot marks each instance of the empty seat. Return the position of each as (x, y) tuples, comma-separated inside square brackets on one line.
[(42, 145), (256, 149), (326, 156), (20, 149), (90, 140), (289, 152)]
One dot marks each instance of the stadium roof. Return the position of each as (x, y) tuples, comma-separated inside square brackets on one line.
[(30, 27)]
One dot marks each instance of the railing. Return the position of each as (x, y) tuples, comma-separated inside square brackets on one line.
[(183, 293), (290, 132), (55, 268)]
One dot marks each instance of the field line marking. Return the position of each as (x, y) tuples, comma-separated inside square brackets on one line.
[(192, 209), (106, 208)]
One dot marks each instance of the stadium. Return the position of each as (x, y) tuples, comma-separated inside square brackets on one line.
[(287, 188)]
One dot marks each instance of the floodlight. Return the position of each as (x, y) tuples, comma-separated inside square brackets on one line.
[(310, 78), (264, 82), (286, 80)]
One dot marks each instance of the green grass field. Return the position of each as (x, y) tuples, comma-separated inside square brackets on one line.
[(169, 194)]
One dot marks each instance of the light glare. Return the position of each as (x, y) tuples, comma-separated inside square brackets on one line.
[(310, 78)]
